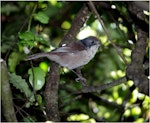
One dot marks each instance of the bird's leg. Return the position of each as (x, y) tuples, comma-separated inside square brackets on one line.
[(80, 77), (78, 70)]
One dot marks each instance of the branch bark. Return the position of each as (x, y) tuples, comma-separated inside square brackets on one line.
[(7, 99), (137, 15), (91, 89), (135, 71), (52, 84), (77, 23), (51, 93)]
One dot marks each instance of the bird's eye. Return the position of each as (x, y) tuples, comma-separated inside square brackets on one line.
[(92, 42)]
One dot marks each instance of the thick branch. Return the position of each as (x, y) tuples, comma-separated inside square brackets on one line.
[(137, 15), (7, 100), (51, 93), (77, 23), (142, 5), (135, 71), (135, 10)]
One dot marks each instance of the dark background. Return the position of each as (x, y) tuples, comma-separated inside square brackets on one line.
[(40, 27)]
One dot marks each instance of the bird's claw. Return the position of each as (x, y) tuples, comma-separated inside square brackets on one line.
[(82, 80)]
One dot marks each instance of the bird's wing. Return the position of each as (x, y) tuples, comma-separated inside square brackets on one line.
[(70, 48)]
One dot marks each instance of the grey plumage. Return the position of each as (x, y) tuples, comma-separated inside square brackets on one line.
[(72, 55)]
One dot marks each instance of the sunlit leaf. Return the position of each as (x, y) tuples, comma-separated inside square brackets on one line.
[(14, 59), (65, 25), (39, 99), (44, 66), (41, 17), (78, 117), (136, 111), (39, 78), (26, 36), (26, 43), (41, 40)]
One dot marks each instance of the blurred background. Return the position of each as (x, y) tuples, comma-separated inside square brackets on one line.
[(34, 27)]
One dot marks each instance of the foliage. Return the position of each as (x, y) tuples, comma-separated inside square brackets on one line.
[(20, 84), (28, 30), (38, 77)]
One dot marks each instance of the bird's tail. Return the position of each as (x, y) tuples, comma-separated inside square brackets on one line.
[(35, 56)]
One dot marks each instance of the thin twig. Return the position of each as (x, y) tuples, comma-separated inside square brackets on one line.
[(21, 108), (31, 16), (90, 89), (91, 5), (19, 111)]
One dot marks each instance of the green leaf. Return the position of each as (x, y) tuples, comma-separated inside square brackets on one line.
[(65, 25), (14, 59), (20, 84), (26, 43), (41, 40), (28, 119), (41, 17), (31, 101), (39, 99), (44, 66), (27, 36), (39, 78), (26, 39)]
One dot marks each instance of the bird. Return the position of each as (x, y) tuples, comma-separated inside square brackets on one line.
[(72, 55)]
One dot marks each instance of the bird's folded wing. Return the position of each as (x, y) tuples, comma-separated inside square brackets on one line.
[(70, 48)]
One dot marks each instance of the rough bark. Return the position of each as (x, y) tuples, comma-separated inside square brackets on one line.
[(135, 70), (7, 99)]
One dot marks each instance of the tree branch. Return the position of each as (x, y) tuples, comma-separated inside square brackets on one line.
[(90, 89), (135, 71), (7, 100), (77, 23), (51, 90), (137, 15)]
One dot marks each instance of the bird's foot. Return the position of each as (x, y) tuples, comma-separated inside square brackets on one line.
[(82, 80)]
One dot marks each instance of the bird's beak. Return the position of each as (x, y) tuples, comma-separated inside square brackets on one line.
[(98, 44)]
